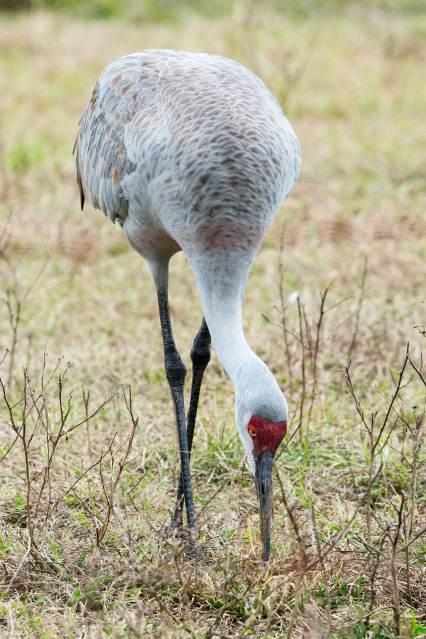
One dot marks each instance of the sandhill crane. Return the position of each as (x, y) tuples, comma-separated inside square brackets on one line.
[(191, 152)]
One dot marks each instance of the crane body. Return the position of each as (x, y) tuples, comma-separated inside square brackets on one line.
[(192, 152)]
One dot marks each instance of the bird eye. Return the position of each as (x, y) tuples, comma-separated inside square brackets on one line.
[(252, 432)]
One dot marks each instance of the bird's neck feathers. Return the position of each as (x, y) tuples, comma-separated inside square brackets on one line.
[(257, 393), (257, 397)]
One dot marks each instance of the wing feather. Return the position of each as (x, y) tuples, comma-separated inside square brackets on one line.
[(101, 156)]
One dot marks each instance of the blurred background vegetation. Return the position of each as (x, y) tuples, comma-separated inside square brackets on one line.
[(166, 10), (350, 76)]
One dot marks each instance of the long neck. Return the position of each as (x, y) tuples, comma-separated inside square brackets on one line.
[(221, 281), (221, 285)]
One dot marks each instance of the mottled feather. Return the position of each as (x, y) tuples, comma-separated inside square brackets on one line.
[(101, 158), (211, 151)]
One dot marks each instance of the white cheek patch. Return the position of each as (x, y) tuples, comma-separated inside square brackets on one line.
[(242, 418), (251, 463)]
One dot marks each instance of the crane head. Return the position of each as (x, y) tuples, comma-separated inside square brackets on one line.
[(261, 415), (266, 436)]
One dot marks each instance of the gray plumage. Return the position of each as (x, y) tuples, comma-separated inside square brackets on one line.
[(192, 152)]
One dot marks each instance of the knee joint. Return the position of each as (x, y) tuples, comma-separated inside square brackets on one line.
[(200, 353), (201, 357), (175, 369)]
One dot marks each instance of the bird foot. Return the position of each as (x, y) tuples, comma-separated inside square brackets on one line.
[(192, 548), (195, 550), (175, 528)]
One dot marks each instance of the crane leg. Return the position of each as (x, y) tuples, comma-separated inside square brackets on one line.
[(176, 372), (200, 356)]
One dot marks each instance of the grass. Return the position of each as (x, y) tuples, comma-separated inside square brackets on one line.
[(88, 485)]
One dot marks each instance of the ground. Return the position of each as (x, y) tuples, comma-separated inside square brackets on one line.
[(87, 440)]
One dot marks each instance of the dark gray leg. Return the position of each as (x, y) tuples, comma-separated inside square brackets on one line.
[(175, 372), (200, 356)]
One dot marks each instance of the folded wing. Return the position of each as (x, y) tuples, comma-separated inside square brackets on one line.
[(101, 155)]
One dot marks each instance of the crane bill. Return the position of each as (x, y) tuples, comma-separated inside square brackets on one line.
[(264, 490)]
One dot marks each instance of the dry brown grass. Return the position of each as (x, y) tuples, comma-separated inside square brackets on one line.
[(84, 499)]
